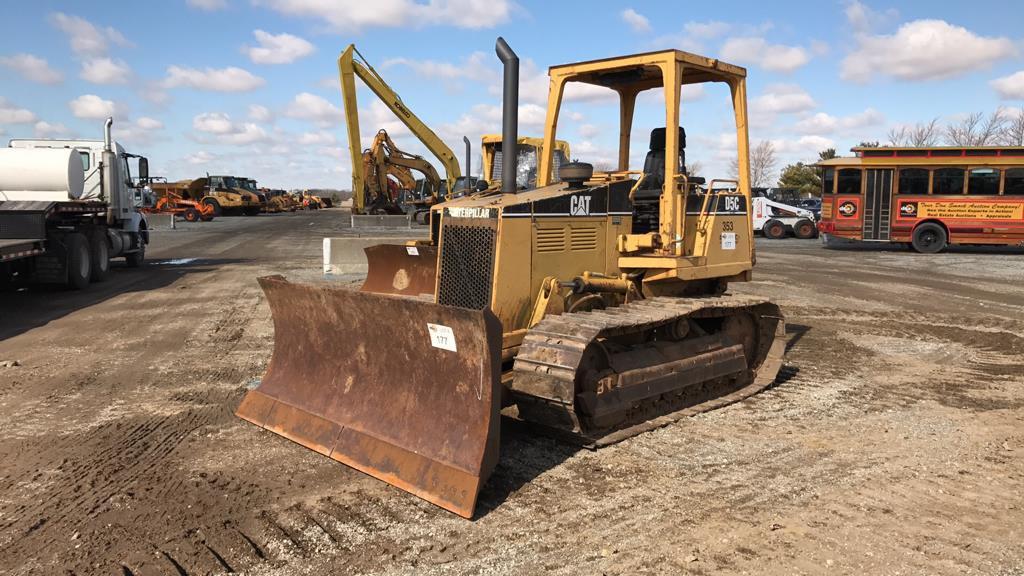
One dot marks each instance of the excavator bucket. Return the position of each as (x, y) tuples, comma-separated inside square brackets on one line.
[(397, 269), (402, 389)]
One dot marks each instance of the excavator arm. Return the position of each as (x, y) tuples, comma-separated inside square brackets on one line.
[(348, 69)]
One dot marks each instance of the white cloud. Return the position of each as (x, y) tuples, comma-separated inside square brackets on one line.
[(822, 123), (706, 30), (319, 137), (353, 15), (334, 152), (588, 130), (306, 106), (200, 157), (923, 50), (45, 129), (92, 107), (757, 51), (477, 66), (783, 99), (147, 123), (863, 18), (105, 71), (259, 113), (141, 131), (637, 21), (277, 49), (230, 79), (208, 5), (213, 123), (1010, 87), (805, 146), (32, 68), (10, 113), (221, 130), (85, 37)]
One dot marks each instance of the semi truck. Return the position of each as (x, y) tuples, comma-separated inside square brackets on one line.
[(67, 207)]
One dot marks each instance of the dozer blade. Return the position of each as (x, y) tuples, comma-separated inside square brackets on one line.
[(396, 269), (402, 389)]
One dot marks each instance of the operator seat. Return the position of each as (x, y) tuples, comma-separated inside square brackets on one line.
[(654, 164)]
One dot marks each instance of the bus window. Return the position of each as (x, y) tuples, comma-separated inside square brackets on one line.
[(949, 181), (848, 181), (828, 180), (983, 182), (913, 181), (1014, 184)]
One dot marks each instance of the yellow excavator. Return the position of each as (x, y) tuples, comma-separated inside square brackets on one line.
[(595, 308), (370, 192), (529, 151), (389, 182)]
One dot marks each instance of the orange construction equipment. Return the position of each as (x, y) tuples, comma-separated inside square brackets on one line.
[(170, 199)]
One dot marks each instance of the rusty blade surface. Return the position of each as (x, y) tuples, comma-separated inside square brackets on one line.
[(397, 269), (404, 390)]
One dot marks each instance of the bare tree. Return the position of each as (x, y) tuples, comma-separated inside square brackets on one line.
[(694, 168), (977, 130), (919, 135), (1013, 132), (762, 165), (898, 135)]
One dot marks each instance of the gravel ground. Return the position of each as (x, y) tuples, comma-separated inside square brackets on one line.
[(891, 444)]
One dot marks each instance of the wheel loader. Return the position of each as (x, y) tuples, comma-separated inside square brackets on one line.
[(595, 308)]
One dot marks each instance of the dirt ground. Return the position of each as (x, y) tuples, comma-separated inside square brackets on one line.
[(893, 442)]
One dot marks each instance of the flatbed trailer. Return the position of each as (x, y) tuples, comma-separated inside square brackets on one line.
[(53, 242)]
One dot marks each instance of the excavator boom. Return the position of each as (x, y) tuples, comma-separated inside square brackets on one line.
[(348, 69)]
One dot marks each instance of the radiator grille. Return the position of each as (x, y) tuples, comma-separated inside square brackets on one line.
[(550, 240), (467, 266), (584, 239)]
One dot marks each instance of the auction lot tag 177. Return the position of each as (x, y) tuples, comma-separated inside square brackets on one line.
[(441, 336), (728, 240)]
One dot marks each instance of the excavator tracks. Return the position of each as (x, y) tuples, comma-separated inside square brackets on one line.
[(601, 376)]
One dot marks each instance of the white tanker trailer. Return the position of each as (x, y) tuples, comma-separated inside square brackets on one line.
[(66, 208)]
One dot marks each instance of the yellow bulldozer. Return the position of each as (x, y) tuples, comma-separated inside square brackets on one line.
[(595, 308)]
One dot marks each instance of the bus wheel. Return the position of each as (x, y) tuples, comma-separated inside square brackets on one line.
[(929, 238), (773, 229), (804, 229)]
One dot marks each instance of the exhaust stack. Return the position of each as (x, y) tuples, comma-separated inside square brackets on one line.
[(469, 163), (509, 115)]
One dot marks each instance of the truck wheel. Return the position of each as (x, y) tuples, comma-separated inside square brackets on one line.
[(191, 214), (99, 250), (804, 229), (212, 203), (135, 259), (774, 229), (78, 261), (929, 238)]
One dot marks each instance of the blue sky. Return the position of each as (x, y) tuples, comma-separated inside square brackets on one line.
[(250, 86)]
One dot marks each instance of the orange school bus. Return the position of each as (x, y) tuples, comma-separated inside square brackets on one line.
[(927, 197)]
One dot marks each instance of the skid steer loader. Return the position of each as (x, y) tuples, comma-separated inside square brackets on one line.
[(595, 308)]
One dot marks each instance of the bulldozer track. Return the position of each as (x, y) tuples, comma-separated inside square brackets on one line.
[(553, 350)]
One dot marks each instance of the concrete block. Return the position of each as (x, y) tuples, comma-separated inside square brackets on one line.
[(345, 257), (382, 221)]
